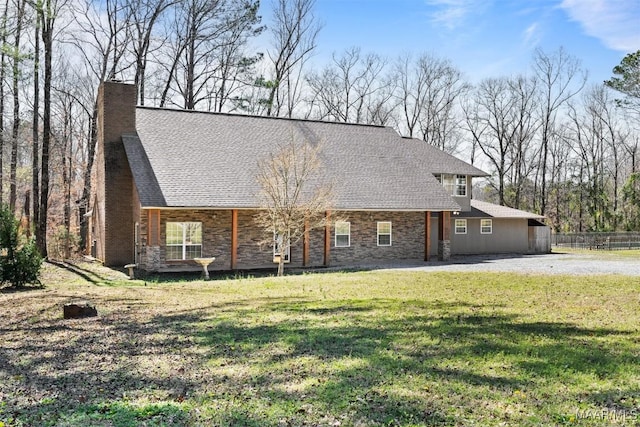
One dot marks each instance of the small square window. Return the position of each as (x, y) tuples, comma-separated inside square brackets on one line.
[(486, 226), (343, 234), (461, 226), (384, 233)]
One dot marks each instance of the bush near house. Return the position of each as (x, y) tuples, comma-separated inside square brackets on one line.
[(20, 261)]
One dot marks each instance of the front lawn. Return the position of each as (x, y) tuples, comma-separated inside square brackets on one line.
[(334, 349)]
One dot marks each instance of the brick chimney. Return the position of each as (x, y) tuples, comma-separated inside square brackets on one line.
[(113, 226)]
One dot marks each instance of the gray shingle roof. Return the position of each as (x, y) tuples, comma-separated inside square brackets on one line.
[(440, 162), (481, 209), (146, 183), (194, 159)]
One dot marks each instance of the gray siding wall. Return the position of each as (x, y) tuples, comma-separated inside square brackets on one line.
[(508, 236), (465, 201)]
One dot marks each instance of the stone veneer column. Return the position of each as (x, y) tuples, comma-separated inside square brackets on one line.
[(153, 258), (444, 236), (444, 250)]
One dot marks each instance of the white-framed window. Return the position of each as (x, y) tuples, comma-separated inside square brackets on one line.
[(183, 240), (384, 233), (343, 234), (486, 226), (460, 226), (456, 185), (461, 185), (278, 245)]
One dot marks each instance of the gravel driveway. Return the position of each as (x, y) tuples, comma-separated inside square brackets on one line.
[(556, 263)]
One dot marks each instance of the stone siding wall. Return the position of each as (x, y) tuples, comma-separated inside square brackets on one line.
[(407, 240)]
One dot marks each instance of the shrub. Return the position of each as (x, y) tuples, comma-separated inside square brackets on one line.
[(20, 261)]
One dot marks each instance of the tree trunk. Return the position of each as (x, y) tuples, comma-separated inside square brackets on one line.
[(35, 161), (3, 57), (47, 39), (66, 179), (27, 212), (86, 190), (16, 108)]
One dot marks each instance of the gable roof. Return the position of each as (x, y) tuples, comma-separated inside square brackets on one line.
[(481, 209), (194, 159)]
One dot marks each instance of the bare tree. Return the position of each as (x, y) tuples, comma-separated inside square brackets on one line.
[(3, 61), (498, 117), (35, 151), (48, 11), (294, 33), (588, 138), (560, 77), (601, 106), (102, 44), (104, 37), (205, 51), (17, 58), (352, 89), (145, 14), (428, 92), (293, 198)]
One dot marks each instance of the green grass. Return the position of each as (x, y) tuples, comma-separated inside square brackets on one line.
[(335, 349), (602, 253)]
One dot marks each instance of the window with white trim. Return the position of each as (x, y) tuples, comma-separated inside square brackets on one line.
[(384, 233), (278, 245), (456, 185), (486, 226), (461, 185), (183, 240), (343, 234), (460, 226)]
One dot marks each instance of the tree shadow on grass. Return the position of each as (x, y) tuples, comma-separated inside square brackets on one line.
[(87, 372), (9, 289), (90, 275), (436, 347), (295, 362)]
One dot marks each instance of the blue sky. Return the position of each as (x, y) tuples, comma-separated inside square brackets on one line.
[(484, 38)]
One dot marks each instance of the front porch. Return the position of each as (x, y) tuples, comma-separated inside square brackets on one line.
[(232, 237)]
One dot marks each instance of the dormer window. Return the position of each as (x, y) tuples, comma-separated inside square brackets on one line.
[(456, 185)]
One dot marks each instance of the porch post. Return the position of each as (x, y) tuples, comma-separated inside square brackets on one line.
[(327, 239), (427, 235), (234, 238), (305, 244), (444, 236)]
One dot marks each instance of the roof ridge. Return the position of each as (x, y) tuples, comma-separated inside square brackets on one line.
[(254, 116)]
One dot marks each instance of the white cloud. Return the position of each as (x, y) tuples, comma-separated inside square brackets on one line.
[(614, 22), (531, 35), (452, 13)]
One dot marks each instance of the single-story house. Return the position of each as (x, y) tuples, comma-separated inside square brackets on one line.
[(173, 185)]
